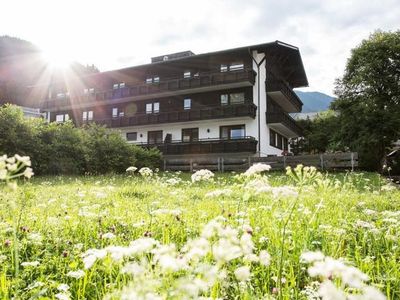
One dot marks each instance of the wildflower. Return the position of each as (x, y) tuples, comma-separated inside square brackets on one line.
[(63, 287), (256, 169), (76, 274), (217, 193), (309, 257), (62, 296), (108, 236), (91, 255), (242, 273), (265, 258), (146, 172), (202, 175), (28, 173), (131, 169), (30, 264), (174, 212)]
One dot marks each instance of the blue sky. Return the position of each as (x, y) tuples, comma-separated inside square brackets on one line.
[(116, 34)]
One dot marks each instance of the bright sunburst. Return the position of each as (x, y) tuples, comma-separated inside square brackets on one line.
[(58, 58)]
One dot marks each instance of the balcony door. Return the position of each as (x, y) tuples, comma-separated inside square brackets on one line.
[(190, 134), (232, 132), (154, 137)]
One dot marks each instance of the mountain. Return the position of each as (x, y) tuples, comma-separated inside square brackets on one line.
[(314, 101)]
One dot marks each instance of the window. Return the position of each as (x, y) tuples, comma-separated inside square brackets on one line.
[(224, 68), (154, 137), (196, 75), (190, 134), (115, 112), (153, 108), (62, 117), (59, 118), (236, 98), (232, 132), (117, 85), (279, 142), (186, 74), (285, 144), (224, 99), (149, 108), (272, 138), (61, 95), (232, 99), (91, 91), (131, 136), (86, 91), (156, 107), (187, 103), (236, 66), (87, 115), (153, 79)]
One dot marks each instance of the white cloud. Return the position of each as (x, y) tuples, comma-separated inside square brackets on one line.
[(115, 34)]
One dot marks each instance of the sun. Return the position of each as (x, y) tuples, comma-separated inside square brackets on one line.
[(58, 58)]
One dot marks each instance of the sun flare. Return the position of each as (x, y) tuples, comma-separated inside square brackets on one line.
[(58, 59)]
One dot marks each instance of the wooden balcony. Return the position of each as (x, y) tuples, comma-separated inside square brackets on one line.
[(246, 144), (218, 112), (283, 95), (283, 123), (166, 87)]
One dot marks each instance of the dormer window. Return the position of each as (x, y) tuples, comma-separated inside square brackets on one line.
[(236, 66), (154, 79), (118, 85)]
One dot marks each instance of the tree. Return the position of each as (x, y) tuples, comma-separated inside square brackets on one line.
[(368, 100)]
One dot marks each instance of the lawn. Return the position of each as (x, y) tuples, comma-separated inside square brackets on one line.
[(230, 237)]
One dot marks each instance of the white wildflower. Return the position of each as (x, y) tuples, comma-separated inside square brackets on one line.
[(242, 273), (131, 169), (257, 169), (76, 274), (202, 175)]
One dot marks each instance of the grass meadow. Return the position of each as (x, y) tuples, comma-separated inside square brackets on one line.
[(304, 235)]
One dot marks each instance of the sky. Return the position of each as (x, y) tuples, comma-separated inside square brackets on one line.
[(122, 33)]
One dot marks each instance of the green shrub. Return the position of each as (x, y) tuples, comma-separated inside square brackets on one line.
[(57, 148), (147, 157), (106, 151)]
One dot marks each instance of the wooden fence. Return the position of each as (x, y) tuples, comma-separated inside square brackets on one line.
[(331, 161)]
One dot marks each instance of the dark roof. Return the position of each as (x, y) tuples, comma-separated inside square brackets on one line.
[(287, 58)]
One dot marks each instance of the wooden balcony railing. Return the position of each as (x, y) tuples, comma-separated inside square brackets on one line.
[(284, 119), (168, 85), (246, 144), (229, 111), (276, 85)]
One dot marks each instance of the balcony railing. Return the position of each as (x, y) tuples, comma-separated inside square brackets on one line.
[(275, 85), (229, 111), (284, 119), (246, 144), (165, 86)]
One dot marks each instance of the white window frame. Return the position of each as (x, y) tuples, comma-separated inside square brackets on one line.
[(115, 112), (90, 115), (187, 104), (187, 74), (235, 66), (223, 68), (224, 99), (60, 118), (84, 115), (156, 107), (149, 108)]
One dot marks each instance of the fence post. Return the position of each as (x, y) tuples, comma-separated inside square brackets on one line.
[(222, 165), (321, 157), (191, 165), (284, 162), (352, 161), (165, 164), (219, 164)]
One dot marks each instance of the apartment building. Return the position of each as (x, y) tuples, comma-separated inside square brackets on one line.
[(231, 102)]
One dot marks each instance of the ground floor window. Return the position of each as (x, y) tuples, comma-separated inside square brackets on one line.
[(278, 141), (62, 118), (131, 136), (190, 134), (232, 132), (155, 137)]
